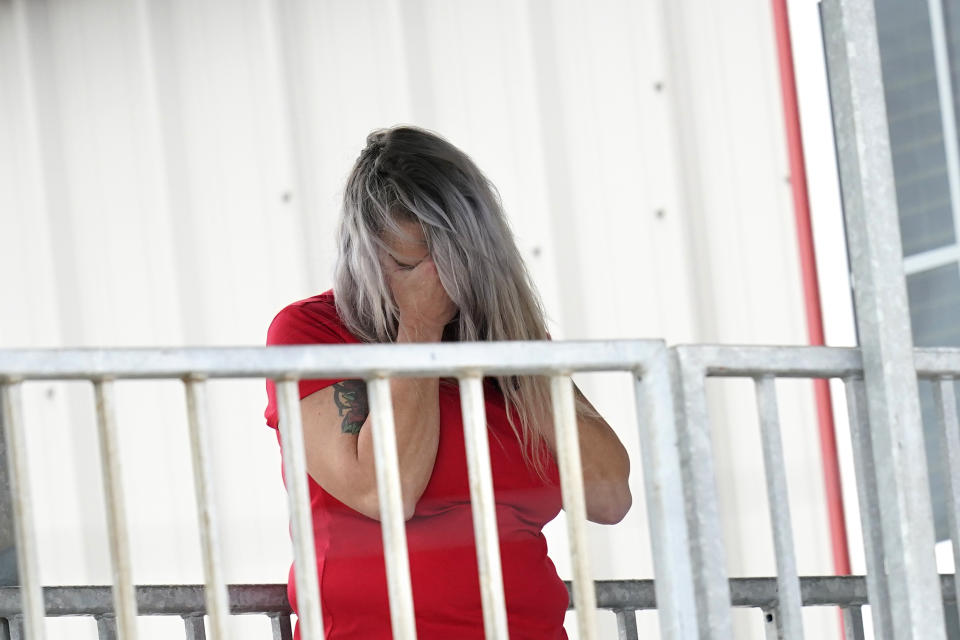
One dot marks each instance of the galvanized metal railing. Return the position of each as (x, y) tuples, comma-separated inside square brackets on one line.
[(623, 598), (648, 360), (692, 588), (189, 602), (890, 461), (693, 364)]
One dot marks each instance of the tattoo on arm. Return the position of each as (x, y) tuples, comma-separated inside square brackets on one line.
[(351, 399)]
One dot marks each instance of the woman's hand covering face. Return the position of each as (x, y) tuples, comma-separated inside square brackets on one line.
[(420, 297), (423, 303)]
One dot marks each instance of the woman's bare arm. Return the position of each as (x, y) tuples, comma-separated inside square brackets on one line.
[(339, 443), (336, 429), (606, 468)]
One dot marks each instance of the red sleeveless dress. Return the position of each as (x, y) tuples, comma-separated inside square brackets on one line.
[(443, 560)]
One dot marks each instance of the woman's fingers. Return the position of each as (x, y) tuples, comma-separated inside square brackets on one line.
[(420, 296)]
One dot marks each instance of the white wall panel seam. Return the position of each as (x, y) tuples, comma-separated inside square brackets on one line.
[(50, 190), (155, 133), (165, 106), (38, 135), (560, 197), (283, 60), (685, 131)]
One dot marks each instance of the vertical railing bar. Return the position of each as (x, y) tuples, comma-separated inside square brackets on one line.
[(853, 623), (663, 486), (946, 401), (216, 590), (106, 628), (771, 625), (16, 628), (23, 518), (866, 478), (195, 628), (627, 624), (574, 502), (789, 604), (392, 520), (123, 592), (483, 504), (707, 551), (869, 193), (280, 625), (301, 519)]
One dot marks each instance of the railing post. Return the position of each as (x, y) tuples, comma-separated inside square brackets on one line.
[(194, 628), (483, 507), (216, 600), (663, 484), (118, 533), (866, 478), (28, 561), (945, 398), (293, 452), (106, 628), (788, 612), (627, 624), (707, 551), (852, 623), (15, 628), (772, 628), (9, 572), (393, 526), (883, 319), (574, 502), (280, 625)]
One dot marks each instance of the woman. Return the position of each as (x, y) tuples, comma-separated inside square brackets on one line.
[(426, 255)]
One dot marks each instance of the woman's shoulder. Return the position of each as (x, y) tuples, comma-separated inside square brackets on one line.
[(309, 321)]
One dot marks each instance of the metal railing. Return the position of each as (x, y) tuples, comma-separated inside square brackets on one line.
[(693, 592), (469, 362), (623, 598), (763, 364), (185, 601)]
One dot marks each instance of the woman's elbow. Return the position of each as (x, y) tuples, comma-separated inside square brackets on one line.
[(612, 507), (370, 507), (409, 508), (609, 498)]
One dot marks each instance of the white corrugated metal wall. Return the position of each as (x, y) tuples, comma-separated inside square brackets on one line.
[(170, 175)]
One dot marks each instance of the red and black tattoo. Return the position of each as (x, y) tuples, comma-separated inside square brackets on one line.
[(351, 399)]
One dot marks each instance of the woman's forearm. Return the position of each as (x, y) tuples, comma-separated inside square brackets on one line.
[(416, 416), (606, 467), (606, 472)]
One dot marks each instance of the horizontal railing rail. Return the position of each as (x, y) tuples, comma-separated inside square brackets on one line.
[(359, 361), (622, 597), (327, 361)]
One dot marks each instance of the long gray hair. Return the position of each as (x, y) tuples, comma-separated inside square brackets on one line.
[(410, 174)]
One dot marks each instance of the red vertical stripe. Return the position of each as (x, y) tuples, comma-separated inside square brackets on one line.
[(811, 287)]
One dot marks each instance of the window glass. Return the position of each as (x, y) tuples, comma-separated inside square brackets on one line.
[(935, 306), (934, 311), (916, 133), (951, 17)]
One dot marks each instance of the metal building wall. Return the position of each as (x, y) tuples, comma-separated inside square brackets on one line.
[(170, 172)]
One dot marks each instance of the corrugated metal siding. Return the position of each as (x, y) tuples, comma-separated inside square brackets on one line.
[(182, 182)]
